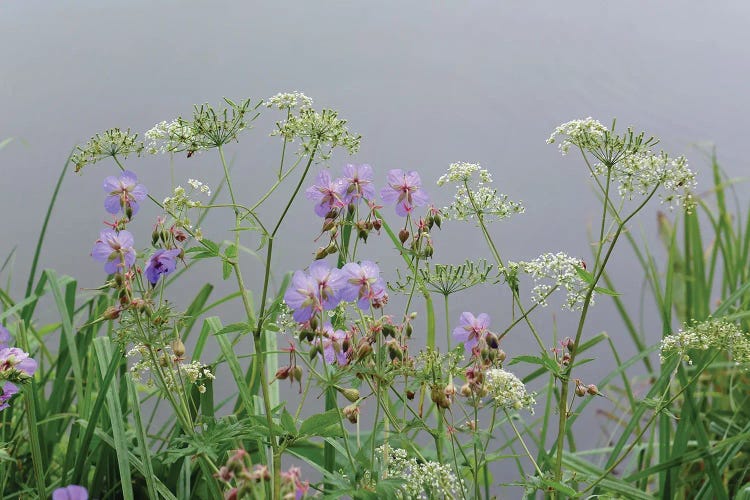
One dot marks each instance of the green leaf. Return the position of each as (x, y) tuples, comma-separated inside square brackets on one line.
[(235, 327), (606, 291), (226, 270), (585, 275), (322, 424), (287, 421)]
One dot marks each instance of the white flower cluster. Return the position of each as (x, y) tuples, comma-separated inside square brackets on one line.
[(423, 480), (709, 334), (169, 137), (174, 373), (587, 133), (320, 132), (200, 186), (641, 173), (473, 198), (507, 390), (288, 100), (179, 201), (560, 268)]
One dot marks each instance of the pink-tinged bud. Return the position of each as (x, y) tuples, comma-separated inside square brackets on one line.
[(351, 394), (450, 390), (138, 304), (409, 395), (565, 359), (593, 390), (224, 473), (403, 235), (466, 390), (351, 412), (377, 224), (178, 348), (111, 313), (180, 235), (568, 344), (580, 390)]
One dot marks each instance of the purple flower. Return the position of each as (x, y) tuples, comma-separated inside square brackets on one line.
[(405, 189), (333, 345), (327, 194), (162, 262), (309, 294), (9, 390), (16, 363), (70, 492), (123, 192), (362, 282), (471, 329), (4, 337), (358, 183), (114, 249)]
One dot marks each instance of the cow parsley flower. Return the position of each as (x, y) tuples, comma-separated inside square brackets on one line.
[(111, 143), (551, 271), (423, 480), (200, 186), (123, 193), (115, 250), (288, 100), (507, 390), (473, 197), (321, 132), (713, 333), (586, 134)]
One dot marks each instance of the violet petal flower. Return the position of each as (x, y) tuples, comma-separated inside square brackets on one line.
[(122, 192), (471, 329), (326, 193), (114, 249), (405, 190), (9, 390), (302, 296), (162, 262), (329, 281), (362, 282), (333, 351), (13, 358), (70, 492), (358, 181)]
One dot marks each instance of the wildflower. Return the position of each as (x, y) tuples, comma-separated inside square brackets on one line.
[(586, 134), (4, 337), (405, 189), (422, 480), (111, 143), (70, 492), (292, 485), (327, 194), (9, 390), (124, 193), (319, 132), (310, 294), (288, 100), (561, 269), (358, 180), (710, 334), (507, 390), (461, 172), (332, 343), (473, 198), (114, 249), (16, 365), (362, 283), (162, 262), (200, 186), (471, 329)]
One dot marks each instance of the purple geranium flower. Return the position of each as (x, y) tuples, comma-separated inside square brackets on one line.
[(405, 189), (309, 294), (358, 183), (123, 192), (362, 282), (471, 329), (333, 345), (162, 262), (70, 492), (327, 194), (4, 337), (114, 249), (9, 390), (14, 359)]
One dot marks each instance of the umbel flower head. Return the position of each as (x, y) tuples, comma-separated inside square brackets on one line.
[(474, 197), (111, 143), (628, 160), (713, 333), (507, 390), (559, 269), (321, 132), (123, 193), (423, 480)]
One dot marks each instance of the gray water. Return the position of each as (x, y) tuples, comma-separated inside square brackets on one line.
[(425, 83)]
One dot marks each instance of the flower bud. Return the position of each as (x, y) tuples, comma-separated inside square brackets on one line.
[(351, 208), (394, 351), (331, 249), (377, 224), (154, 237), (389, 331), (118, 280), (568, 344), (409, 395), (492, 341), (111, 313), (321, 253), (501, 355), (350, 394), (466, 390), (328, 224), (593, 390), (316, 349), (351, 412), (129, 211), (430, 222), (408, 330), (450, 390), (403, 235), (313, 324), (178, 348), (306, 335), (163, 361), (363, 349), (332, 214), (296, 373), (580, 390), (283, 373)]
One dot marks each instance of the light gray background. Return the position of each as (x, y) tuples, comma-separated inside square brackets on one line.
[(425, 83)]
